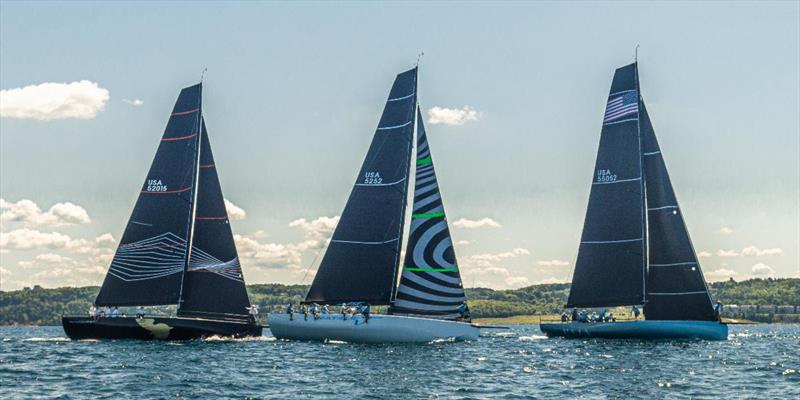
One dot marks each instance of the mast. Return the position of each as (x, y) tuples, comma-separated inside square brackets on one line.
[(190, 224), (643, 186)]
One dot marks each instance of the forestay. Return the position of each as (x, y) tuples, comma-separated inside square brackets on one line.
[(361, 261), (430, 284)]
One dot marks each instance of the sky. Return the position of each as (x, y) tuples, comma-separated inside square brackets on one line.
[(513, 96)]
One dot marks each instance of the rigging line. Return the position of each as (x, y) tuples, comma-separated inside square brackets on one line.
[(196, 184), (316, 256)]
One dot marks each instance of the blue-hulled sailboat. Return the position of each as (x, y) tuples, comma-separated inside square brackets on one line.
[(361, 263), (635, 249), (177, 248)]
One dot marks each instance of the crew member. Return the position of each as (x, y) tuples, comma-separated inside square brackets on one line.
[(140, 312)]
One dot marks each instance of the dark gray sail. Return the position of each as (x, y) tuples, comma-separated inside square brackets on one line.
[(430, 284), (676, 289), (610, 268), (148, 266), (361, 261), (213, 285)]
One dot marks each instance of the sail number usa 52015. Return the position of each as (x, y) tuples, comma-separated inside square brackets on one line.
[(155, 185)]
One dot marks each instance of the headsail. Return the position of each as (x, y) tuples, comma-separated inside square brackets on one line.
[(213, 285), (148, 266), (361, 261), (430, 284), (676, 289), (610, 268)]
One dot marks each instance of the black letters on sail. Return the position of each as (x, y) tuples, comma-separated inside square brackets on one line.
[(361, 261), (148, 266), (213, 285), (676, 289), (430, 284), (610, 268)]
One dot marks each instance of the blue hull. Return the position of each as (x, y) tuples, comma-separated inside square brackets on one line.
[(648, 330)]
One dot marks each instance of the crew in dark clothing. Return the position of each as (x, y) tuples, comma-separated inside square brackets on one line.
[(718, 311), (290, 311), (574, 314), (365, 312)]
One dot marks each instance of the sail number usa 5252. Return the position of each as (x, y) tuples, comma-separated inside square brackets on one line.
[(605, 176), (155, 185), (372, 178)]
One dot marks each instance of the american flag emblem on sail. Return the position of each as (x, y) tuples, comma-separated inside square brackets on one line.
[(621, 105)]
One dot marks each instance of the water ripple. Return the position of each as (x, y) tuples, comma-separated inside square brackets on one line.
[(757, 361)]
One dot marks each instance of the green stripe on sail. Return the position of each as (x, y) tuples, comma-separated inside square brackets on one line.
[(427, 215), (415, 269), (423, 161)]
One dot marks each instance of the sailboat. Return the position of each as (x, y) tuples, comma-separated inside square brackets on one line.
[(177, 248), (635, 248), (360, 264)]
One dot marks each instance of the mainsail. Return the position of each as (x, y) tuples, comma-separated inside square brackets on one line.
[(361, 261), (430, 284), (148, 266), (611, 263), (676, 289), (213, 285)]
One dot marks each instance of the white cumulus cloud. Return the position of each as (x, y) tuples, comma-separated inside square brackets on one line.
[(134, 102), (28, 213), (25, 238), (703, 254), (721, 274), (726, 230), (479, 223), (762, 270), (234, 212), (553, 263), (755, 251), (727, 253), (48, 101), (452, 116)]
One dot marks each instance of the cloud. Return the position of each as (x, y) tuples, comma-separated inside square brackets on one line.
[(750, 251), (48, 101), (703, 254), (762, 270), (134, 102), (755, 251), (553, 263), (234, 212), (462, 242), (25, 238), (484, 266), (726, 230), (550, 281), (28, 213), (285, 255), (727, 253), (480, 223), (452, 116), (721, 274)]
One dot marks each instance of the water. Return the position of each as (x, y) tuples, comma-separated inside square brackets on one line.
[(756, 362)]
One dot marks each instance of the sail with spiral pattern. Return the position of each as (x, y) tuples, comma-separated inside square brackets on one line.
[(430, 284)]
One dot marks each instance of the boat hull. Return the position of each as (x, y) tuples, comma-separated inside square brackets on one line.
[(153, 328), (647, 329), (379, 329)]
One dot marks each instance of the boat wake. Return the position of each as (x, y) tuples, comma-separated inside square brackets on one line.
[(532, 337), (47, 339), (217, 338)]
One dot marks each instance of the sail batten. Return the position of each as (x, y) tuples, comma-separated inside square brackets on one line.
[(360, 263)]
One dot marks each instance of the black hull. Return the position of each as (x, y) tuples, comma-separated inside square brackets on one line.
[(155, 328)]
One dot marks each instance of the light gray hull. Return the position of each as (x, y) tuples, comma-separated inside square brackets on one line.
[(379, 329)]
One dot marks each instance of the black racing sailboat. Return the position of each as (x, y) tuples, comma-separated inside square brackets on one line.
[(635, 248), (362, 260), (177, 248)]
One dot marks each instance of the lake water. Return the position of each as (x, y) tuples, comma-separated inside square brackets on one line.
[(760, 361)]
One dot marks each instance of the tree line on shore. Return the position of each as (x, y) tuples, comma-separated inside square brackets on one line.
[(40, 306)]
